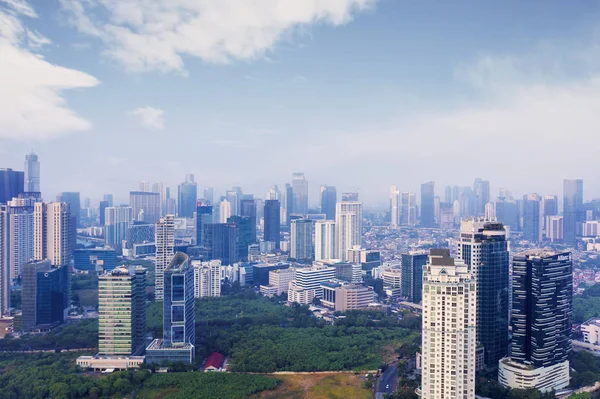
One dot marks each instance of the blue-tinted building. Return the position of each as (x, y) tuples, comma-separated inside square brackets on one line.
[(12, 183), (220, 241), (328, 201), (43, 296), (248, 209), (260, 272), (272, 222), (188, 195), (412, 276), (95, 259), (244, 235), (204, 216)]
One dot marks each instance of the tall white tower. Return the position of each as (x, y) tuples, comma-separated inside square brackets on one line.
[(348, 220), (165, 250), (32, 174), (325, 241), (395, 206), (51, 232), (449, 336), (224, 211)]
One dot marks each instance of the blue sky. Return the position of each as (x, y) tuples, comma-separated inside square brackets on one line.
[(355, 93)]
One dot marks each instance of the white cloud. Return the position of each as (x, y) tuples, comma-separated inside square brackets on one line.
[(31, 105), (156, 34), (149, 117)]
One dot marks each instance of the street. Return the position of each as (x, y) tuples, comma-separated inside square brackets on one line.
[(388, 378)]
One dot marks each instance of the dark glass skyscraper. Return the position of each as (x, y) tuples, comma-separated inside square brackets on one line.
[(101, 210), (507, 212), (11, 184), (481, 189), (204, 216), (300, 190), (178, 303), (412, 275), (74, 201), (272, 222), (572, 208), (328, 201), (531, 218), (188, 195), (43, 296), (427, 208), (220, 240), (248, 209), (244, 235), (542, 307), (483, 247)]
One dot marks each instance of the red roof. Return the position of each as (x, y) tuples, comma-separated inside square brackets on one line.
[(214, 360)]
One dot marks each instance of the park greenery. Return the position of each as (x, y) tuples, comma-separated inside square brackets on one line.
[(81, 334), (587, 306)]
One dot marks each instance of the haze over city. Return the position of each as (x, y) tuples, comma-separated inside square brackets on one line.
[(356, 93)]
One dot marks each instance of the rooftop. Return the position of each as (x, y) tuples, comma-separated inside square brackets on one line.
[(158, 344), (214, 360), (179, 262)]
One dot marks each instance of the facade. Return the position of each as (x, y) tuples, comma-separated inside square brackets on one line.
[(392, 278), (221, 242), (17, 237), (279, 281), (74, 201), (413, 265), (353, 297), (248, 209), (395, 206), (427, 208), (224, 211), (484, 249), (348, 227), (141, 233), (325, 240), (272, 222), (328, 201), (187, 196), (261, 272), (122, 311), (117, 221), (550, 206), (301, 239), (95, 259), (572, 208), (310, 278), (532, 220), (165, 249), (542, 307), (204, 217), (42, 296), (591, 331), (12, 183), (301, 295), (300, 193), (345, 271), (555, 228), (408, 209), (32, 174), (207, 279), (449, 329), (147, 204)]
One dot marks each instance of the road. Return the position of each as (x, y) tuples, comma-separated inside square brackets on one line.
[(388, 378)]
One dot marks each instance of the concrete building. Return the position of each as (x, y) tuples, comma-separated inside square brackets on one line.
[(325, 241), (449, 323), (555, 228), (307, 283), (353, 297), (224, 211), (207, 279), (279, 282), (17, 235), (591, 331), (301, 295), (145, 203), (32, 174), (395, 206), (348, 227), (301, 239), (590, 228), (392, 278), (300, 193), (165, 249), (117, 222)]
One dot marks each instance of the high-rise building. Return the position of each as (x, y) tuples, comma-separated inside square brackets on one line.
[(118, 220), (32, 174), (74, 201), (248, 209), (101, 212), (204, 215), (481, 189), (207, 279), (554, 228), (427, 208), (272, 222), (448, 195), (348, 225), (160, 189), (12, 183), (17, 235), (187, 197), (532, 222), (449, 329), (412, 275), (144, 186), (408, 209), (243, 227), (179, 335), (165, 249), (224, 211), (350, 196), (221, 242), (300, 190), (288, 202), (550, 206), (122, 311), (572, 208), (542, 307), (325, 240), (301, 239), (490, 211), (395, 206), (328, 201), (147, 204), (233, 197), (484, 249), (209, 195), (42, 296), (108, 198), (307, 283)]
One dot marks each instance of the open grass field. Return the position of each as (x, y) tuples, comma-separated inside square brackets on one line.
[(318, 386)]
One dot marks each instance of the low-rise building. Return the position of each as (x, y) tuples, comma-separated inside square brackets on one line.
[(301, 295), (279, 282), (591, 331)]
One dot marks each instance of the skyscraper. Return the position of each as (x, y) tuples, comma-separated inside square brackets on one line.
[(102, 212), (209, 195), (32, 174), (412, 275), (532, 222), (221, 242), (272, 222), (74, 201), (449, 329), (481, 189), (572, 208), (108, 198), (248, 209), (188, 195), (484, 249), (122, 311), (542, 307), (204, 215), (328, 201), (233, 197), (288, 202), (118, 220), (348, 222), (207, 279), (325, 240), (243, 226), (507, 212), (224, 211), (395, 206), (301, 239), (42, 296), (408, 209), (165, 248), (554, 228), (427, 211), (160, 189), (147, 204), (18, 235), (300, 190), (12, 183)]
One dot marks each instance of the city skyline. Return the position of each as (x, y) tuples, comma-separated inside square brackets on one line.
[(528, 85)]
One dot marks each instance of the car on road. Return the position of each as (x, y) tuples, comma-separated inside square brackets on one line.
[(387, 386)]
